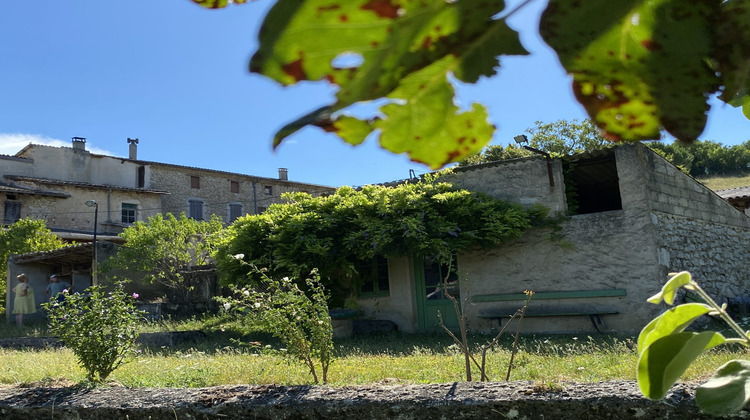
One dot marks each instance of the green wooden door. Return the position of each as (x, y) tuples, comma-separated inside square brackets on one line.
[(431, 286)]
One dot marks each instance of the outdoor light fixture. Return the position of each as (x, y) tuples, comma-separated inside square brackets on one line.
[(95, 205), (522, 140)]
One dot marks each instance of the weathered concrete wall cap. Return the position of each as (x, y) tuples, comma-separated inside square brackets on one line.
[(460, 400)]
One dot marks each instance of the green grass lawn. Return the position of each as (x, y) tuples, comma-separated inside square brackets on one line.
[(386, 358)]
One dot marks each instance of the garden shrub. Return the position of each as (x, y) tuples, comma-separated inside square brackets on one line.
[(300, 320), (99, 326)]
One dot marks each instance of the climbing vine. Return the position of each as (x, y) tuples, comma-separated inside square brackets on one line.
[(333, 233)]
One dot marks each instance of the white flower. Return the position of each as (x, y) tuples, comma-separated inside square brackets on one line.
[(246, 292), (227, 305), (257, 304), (238, 256)]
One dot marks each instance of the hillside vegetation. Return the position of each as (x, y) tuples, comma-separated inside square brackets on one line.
[(717, 183)]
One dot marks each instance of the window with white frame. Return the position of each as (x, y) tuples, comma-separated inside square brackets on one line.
[(195, 209), (129, 212)]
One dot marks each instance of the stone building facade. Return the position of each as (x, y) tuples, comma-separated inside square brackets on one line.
[(54, 184), (631, 218), (200, 193)]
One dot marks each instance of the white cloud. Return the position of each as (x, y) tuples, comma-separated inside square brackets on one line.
[(12, 143)]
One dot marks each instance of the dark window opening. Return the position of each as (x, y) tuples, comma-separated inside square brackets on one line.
[(141, 176), (268, 190), (12, 212), (195, 182), (592, 185), (235, 212), (195, 209), (234, 186), (373, 277)]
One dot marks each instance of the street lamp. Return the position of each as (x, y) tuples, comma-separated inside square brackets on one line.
[(522, 140), (95, 205)]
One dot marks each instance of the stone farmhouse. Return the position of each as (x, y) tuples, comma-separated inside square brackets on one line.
[(633, 218), (630, 218), (55, 183)]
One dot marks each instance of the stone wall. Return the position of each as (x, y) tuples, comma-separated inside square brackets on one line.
[(715, 254), (671, 191), (698, 231), (70, 211), (79, 165), (616, 400), (215, 189), (523, 181), (595, 251)]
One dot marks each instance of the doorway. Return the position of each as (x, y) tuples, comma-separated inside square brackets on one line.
[(433, 280)]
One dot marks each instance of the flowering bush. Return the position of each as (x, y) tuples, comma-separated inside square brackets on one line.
[(299, 320), (99, 326)]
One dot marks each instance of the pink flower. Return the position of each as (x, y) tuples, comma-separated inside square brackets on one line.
[(65, 291), (135, 295)]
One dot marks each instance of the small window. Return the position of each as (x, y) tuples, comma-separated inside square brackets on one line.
[(235, 211), (12, 212), (269, 190), (195, 209), (234, 186), (141, 176), (373, 277), (129, 212), (195, 182)]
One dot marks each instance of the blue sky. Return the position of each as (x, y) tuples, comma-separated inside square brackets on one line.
[(174, 75)]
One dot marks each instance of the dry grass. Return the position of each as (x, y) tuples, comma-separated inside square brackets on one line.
[(722, 183)]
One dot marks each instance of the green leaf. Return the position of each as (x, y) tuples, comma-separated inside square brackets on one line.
[(374, 49), (666, 359), (436, 133), (637, 65), (217, 4), (727, 391), (733, 53), (354, 131), (671, 321), (670, 288)]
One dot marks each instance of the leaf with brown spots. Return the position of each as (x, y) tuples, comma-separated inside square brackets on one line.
[(733, 53), (638, 66), (395, 42), (437, 132)]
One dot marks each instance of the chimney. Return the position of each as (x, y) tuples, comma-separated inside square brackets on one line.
[(132, 149), (79, 143), (284, 174)]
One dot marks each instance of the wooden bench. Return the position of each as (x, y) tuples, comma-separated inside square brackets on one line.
[(594, 313)]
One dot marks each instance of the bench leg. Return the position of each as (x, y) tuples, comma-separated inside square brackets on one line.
[(596, 321)]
